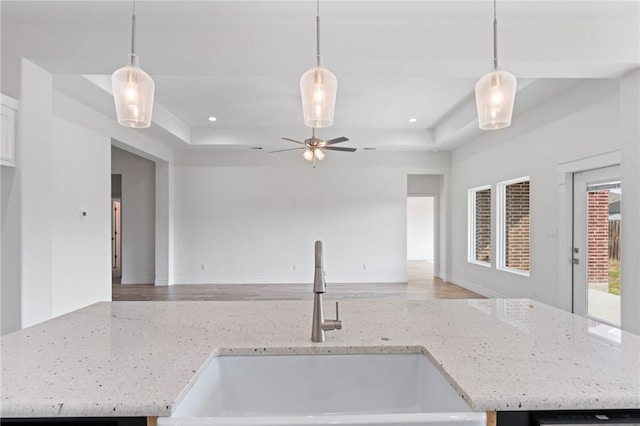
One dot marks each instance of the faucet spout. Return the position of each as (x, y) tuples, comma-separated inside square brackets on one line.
[(320, 325), (319, 284)]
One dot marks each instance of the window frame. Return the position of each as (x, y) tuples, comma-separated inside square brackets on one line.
[(471, 225), (501, 232)]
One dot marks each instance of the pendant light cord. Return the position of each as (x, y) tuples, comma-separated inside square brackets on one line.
[(495, 37), (133, 29), (318, 32)]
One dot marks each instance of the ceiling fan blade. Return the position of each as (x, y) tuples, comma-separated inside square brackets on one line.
[(293, 140), (336, 140), (282, 150), (338, 148)]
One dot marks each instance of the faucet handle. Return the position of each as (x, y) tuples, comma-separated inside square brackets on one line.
[(337, 322), (337, 316)]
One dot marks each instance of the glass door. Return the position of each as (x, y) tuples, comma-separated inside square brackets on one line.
[(596, 244)]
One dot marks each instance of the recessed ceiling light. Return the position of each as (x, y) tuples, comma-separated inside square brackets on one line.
[(255, 148), (212, 118), (369, 149), (413, 120)]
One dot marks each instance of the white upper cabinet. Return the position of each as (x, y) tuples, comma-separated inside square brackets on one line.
[(8, 131)]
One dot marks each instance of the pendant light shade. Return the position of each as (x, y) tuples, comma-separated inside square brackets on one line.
[(495, 96), (318, 88), (133, 89), (495, 91)]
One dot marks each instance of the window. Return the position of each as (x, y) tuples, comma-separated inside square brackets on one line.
[(480, 225), (513, 239)]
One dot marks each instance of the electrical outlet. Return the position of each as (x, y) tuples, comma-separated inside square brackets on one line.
[(364, 266), (203, 267)]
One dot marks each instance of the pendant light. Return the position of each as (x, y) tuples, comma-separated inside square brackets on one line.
[(133, 89), (318, 87), (495, 92)]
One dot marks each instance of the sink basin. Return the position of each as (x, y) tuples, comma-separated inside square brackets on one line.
[(370, 389)]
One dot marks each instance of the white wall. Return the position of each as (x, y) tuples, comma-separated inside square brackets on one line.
[(581, 122), (81, 247), (630, 261), (61, 168), (420, 185), (140, 143), (164, 223), (420, 227), (10, 252), (138, 216), (35, 169), (253, 218)]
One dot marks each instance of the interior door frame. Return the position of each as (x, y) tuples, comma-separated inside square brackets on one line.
[(564, 232), (435, 230), (580, 273), (439, 220)]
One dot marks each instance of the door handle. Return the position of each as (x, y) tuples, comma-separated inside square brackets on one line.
[(575, 261)]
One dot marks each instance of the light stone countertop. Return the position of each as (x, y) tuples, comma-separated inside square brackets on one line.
[(135, 358)]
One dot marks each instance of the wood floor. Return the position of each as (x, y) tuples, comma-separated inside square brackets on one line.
[(421, 285)]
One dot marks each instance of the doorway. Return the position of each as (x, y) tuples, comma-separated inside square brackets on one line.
[(597, 196), (116, 228), (420, 236), (116, 243)]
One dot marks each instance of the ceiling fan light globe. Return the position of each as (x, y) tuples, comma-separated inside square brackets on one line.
[(308, 155), (319, 154), (318, 87)]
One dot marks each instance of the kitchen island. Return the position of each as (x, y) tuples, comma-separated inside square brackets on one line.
[(133, 359)]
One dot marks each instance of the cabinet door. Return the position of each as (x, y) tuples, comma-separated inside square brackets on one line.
[(8, 134)]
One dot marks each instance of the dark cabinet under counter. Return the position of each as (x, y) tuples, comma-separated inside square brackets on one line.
[(77, 421), (581, 417)]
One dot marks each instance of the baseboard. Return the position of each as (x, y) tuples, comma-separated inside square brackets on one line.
[(290, 280), (475, 288), (161, 282), (137, 279)]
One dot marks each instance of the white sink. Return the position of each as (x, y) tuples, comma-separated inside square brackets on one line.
[(372, 389)]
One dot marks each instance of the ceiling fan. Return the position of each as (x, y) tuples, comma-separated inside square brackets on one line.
[(314, 146)]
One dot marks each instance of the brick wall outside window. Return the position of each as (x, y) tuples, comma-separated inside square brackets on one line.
[(483, 225), (598, 238), (517, 226)]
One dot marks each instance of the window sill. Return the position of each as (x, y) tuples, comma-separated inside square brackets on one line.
[(479, 263), (515, 271)]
